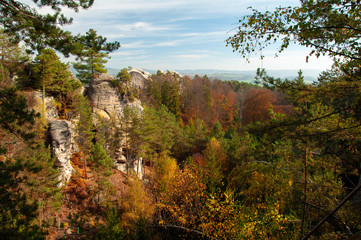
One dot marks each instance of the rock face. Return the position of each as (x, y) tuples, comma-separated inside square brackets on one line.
[(60, 134), (106, 99), (139, 78), (175, 74), (109, 103), (35, 99)]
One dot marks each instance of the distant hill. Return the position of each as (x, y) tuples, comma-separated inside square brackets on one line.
[(249, 76), (242, 76)]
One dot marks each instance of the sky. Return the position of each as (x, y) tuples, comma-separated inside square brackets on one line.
[(183, 34)]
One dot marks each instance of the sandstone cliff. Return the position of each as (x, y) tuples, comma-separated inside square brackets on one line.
[(109, 104), (61, 139)]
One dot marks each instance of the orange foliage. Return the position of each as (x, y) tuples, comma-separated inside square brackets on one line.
[(257, 104), (78, 190), (210, 101)]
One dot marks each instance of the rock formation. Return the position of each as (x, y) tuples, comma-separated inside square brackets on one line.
[(139, 78), (35, 101), (106, 99), (61, 140), (108, 103)]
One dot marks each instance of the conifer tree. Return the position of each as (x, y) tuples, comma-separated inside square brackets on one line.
[(53, 76), (92, 55), (11, 55), (39, 31), (85, 128)]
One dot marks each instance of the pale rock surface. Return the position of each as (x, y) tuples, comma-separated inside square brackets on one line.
[(104, 97), (61, 140), (175, 74), (139, 77), (108, 103), (35, 101)]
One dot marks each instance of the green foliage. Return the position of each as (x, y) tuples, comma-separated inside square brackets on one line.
[(217, 131), (215, 161), (42, 186), (14, 114), (17, 214), (92, 54), (25, 172), (164, 89), (4, 76), (11, 55), (39, 31), (327, 27), (54, 78), (123, 83), (159, 128), (112, 228), (271, 179), (100, 157), (85, 124)]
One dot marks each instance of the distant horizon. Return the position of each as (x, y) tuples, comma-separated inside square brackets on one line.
[(224, 70), (238, 75), (159, 34)]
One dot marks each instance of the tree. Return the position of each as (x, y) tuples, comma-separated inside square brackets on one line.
[(11, 55), (22, 163), (17, 215), (327, 27), (84, 129), (124, 83), (257, 104), (164, 90), (327, 113), (39, 31), (92, 55), (53, 76), (15, 115), (216, 161)]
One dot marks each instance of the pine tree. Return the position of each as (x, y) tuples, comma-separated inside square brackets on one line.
[(39, 31), (92, 54), (53, 77), (84, 128), (11, 55)]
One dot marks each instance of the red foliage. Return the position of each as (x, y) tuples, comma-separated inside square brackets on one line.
[(257, 104), (210, 101), (78, 190)]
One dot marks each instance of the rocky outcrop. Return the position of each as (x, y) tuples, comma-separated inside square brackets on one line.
[(61, 140), (129, 166), (174, 74), (177, 75), (35, 101), (108, 103), (139, 78), (106, 98)]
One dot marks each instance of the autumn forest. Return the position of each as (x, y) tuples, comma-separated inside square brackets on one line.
[(164, 156)]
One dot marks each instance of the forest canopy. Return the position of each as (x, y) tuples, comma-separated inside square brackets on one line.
[(174, 157)]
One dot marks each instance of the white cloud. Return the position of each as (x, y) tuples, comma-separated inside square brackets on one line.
[(192, 56), (138, 44), (141, 27), (171, 43), (127, 53), (204, 34)]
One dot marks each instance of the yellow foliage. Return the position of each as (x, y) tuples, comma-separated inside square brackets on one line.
[(137, 203)]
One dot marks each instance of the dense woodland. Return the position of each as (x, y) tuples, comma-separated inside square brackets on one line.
[(277, 159)]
